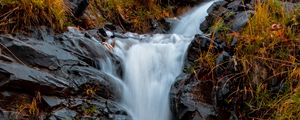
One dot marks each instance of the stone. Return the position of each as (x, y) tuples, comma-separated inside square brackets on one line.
[(52, 101), (64, 114), (240, 20), (24, 78), (193, 99), (234, 6), (223, 57), (8, 115), (60, 68), (198, 44), (40, 53)]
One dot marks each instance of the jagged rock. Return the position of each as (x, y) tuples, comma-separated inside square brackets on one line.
[(24, 78), (8, 115), (105, 109), (52, 101), (41, 54), (223, 57), (193, 99), (63, 114), (240, 20), (61, 68), (200, 43), (235, 14)]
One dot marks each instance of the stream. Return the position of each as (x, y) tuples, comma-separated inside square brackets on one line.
[(151, 64)]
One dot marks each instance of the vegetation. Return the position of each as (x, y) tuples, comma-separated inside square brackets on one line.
[(133, 15), (89, 111), (90, 90), (19, 14), (268, 54), (30, 108)]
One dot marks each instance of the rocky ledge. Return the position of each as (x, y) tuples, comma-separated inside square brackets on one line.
[(201, 93), (56, 77)]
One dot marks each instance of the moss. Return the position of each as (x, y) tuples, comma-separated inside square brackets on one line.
[(89, 111)]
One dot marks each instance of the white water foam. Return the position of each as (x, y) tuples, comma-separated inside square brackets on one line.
[(151, 65)]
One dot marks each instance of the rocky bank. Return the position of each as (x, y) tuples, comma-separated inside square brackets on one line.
[(56, 77)]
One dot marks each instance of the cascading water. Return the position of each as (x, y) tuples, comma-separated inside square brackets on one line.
[(151, 64)]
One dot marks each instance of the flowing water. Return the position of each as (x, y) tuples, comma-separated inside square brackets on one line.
[(151, 64)]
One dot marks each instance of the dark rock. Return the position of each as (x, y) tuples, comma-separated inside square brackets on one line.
[(181, 2), (240, 20), (38, 53), (99, 108), (52, 101), (234, 42), (193, 99), (234, 5), (215, 6), (28, 79), (223, 57), (61, 68), (214, 11), (235, 14), (81, 8), (8, 115), (113, 28), (83, 76), (64, 114), (43, 33), (171, 21), (200, 43)]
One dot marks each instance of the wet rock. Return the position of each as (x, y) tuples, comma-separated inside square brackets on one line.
[(52, 101), (234, 5), (193, 99), (44, 34), (235, 14), (200, 43), (40, 53), (61, 68), (98, 108), (171, 21), (87, 76), (24, 78), (64, 114), (181, 3), (215, 10)]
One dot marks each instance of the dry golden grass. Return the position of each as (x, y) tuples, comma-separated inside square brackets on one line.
[(134, 13), (267, 51), (32, 109), (270, 40), (19, 14)]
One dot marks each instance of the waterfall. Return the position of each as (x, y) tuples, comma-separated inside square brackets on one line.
[(151, 65)]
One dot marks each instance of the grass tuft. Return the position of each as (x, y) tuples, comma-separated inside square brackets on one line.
[(20, 14), (268, 59)]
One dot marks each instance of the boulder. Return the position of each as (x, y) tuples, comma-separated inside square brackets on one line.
[(58, 75), (63, 114), (193, 99), (235, 14), (21, 77)]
